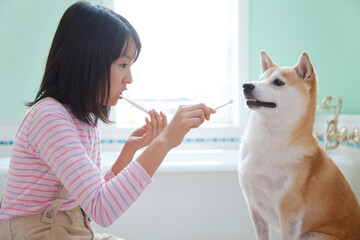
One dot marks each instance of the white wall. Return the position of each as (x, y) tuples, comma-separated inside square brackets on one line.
[(187, 206)]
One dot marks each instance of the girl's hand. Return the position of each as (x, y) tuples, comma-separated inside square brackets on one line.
[(140, 138), (147, 133), (185, 118)]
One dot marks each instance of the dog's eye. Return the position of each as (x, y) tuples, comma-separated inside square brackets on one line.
[(278, 82)]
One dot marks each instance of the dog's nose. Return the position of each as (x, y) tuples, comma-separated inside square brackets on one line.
[(248, 86)]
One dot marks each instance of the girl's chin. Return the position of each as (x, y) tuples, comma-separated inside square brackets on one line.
[(112, 102)]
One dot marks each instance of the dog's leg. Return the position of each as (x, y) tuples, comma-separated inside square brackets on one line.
[(291, 228), (262, 228)]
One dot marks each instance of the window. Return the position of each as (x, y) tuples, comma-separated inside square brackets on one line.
[(190, 54)]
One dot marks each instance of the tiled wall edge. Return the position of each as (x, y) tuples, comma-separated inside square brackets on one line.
[(350, 144), (186, 140)]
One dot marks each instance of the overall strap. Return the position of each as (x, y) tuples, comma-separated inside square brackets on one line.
[(50, 213)]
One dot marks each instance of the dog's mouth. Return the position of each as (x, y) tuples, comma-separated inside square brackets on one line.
[(254, 103)]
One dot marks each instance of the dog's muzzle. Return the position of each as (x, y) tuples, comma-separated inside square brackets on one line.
[(252, 102)]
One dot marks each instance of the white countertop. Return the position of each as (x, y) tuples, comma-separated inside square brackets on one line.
[(175, 161), (214, 160)]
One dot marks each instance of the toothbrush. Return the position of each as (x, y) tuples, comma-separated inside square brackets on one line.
[(135, 105), (146, 111), (229, 102)]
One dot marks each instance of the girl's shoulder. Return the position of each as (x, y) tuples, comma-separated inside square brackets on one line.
[(48, 107), (45, 117)]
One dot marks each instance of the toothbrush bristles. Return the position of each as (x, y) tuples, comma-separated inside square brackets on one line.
[(229, 102)]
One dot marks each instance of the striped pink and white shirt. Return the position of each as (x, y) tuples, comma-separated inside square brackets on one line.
[(54, 148)]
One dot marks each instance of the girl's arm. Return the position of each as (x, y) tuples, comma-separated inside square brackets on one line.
[(186, 117)]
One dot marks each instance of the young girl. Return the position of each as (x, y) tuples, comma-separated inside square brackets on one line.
[(55, 179)]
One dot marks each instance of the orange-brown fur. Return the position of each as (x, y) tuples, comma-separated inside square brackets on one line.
[(319, 187)]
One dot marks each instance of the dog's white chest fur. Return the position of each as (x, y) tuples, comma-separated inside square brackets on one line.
[(264, 185), (264, 170)]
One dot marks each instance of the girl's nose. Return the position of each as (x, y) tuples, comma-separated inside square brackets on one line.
[(128, 78)]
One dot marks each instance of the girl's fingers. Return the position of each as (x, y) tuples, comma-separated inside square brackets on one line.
[(206, 110), (148, 125), (159, 123), (153, 123), (148, 128), (164, 120), (194, 122), (198, 113)]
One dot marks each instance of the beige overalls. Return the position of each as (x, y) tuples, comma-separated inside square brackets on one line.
[(73, 224)]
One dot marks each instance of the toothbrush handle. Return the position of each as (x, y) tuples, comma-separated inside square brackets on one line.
[(136, 105), (221, 106)]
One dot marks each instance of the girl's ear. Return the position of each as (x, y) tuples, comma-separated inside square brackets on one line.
[(304, 67), (266, 62)]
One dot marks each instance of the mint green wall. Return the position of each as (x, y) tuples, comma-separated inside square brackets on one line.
[(329, 30), (26, 31)]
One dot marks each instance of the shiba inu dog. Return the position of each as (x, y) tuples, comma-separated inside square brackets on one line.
[(289, 182)]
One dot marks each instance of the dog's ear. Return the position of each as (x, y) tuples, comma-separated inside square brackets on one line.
[(304, 67), (266, 62)]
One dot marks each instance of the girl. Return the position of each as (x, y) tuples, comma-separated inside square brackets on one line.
[(55, 179)]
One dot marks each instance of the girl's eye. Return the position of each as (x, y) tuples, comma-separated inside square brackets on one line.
[(123, 65), (278, 82)]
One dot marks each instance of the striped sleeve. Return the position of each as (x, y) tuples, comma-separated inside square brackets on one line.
[(52, 137), (109, 175)]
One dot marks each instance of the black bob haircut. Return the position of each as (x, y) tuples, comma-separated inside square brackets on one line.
[(87, 41)]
